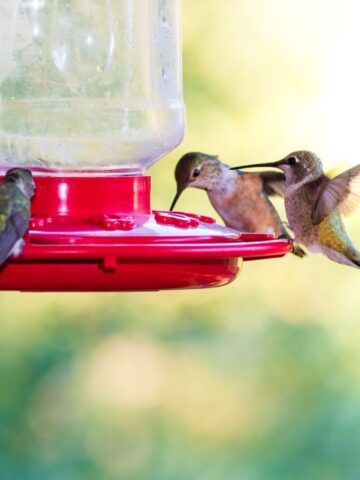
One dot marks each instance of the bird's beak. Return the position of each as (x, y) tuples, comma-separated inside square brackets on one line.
[(277, 164), (176, 198)]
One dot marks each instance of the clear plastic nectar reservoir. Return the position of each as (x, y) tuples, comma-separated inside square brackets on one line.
[(89, 84)]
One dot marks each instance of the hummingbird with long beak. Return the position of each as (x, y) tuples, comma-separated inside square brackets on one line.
[(314, 204), (241, 199), (16, 191)]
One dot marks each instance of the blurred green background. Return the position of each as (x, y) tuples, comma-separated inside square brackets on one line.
[(258, 380)]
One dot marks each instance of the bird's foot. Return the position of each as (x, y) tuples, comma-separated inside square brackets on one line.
[(296, 249)]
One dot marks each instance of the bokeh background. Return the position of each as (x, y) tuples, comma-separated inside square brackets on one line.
[(258, 380)]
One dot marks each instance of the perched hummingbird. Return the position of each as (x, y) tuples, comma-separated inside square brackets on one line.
[(241, 199), (16, 191), (314, 204)]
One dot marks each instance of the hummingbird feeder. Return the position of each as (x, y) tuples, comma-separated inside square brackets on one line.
[(91, 96)]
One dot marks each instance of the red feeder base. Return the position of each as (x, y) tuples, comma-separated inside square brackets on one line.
[(91, 233)]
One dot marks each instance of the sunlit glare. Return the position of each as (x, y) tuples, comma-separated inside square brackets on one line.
[(339, 105)]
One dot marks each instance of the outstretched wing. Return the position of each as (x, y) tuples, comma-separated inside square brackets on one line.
[(342, 192), (273, 183)]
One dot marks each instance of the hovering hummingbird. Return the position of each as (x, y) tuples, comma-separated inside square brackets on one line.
[(16, 191), (314, 204), (241, 199)]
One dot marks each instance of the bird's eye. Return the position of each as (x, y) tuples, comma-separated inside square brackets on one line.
[(292, 160), (196, 172)]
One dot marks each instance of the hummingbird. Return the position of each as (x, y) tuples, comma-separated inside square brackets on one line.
[(241, 199), (314, 204), (16, 191)]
